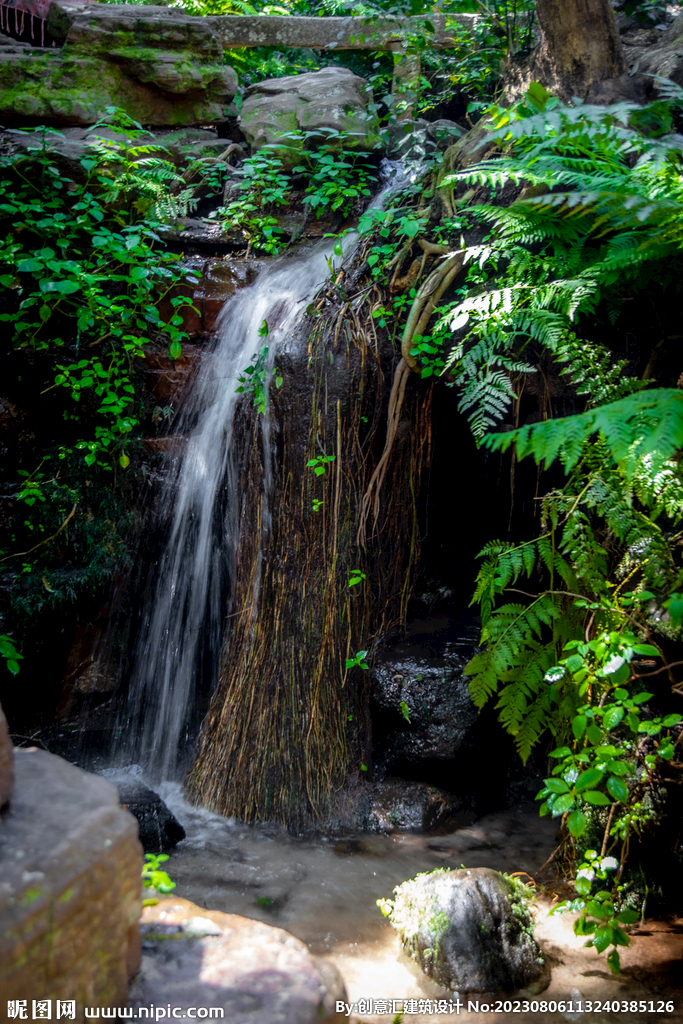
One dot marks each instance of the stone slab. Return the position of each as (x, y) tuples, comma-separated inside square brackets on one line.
[(70, 864), (255, 972)]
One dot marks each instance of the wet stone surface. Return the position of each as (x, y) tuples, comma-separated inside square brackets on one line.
[(253, 971)]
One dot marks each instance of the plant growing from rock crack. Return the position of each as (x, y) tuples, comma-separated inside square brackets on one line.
[(254, 380)]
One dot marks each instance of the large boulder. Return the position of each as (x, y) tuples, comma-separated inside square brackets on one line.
[(161, 66), (6, 762), (254, 972), (70, 864), (320, 102), (470, 930)]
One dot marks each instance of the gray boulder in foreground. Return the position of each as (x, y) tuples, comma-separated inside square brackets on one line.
[(253, 972), (470, 931)]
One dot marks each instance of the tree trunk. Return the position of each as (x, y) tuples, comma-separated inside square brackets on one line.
[(580, 46)]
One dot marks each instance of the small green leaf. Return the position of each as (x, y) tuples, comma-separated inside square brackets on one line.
[(579, 726), (557, 786), (176, 350), (618, 788), (593, 796), (671, 720), (560, 752), (648, 649), (582, 886), (613, 715), (588, 779), (576, 823), (594, 734), (563, 803), (124, 461)]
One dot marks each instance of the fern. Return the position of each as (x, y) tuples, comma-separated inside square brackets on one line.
[(633, 427)]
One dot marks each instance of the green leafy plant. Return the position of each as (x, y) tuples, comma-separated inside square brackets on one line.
[(79, 267), (11, 655), (255, 377), (320, 463), (153, 876), (356, 577), (358, 661), (603, 913)]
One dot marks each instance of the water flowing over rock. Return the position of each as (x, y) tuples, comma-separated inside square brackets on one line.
[(6, 762), (321, 102), (70, 865), (469, 930), (257, 973)]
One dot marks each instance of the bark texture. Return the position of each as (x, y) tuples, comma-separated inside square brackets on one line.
[(580, 46)]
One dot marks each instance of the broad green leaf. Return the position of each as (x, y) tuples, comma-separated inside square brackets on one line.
[(671, 720), (595, 797), (557, 786), (586, 780), (562, 803), (618, 788), (594, 734), (176, 350), (579, 726), (576, 823), (612, 717)]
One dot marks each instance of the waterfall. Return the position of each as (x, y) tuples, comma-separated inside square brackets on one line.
[(183, 624)]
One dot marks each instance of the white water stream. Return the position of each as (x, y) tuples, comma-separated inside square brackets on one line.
[(184, 623)]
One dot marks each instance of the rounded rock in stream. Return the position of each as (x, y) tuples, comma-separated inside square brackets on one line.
[(255, 973), (470, 930), (159, 829)]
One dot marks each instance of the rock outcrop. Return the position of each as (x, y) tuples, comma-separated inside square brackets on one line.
[(320, 102), (470, 930), (6, 762), (650, 51), (254, 972), (402, 806), (161, 66), (70, 864)]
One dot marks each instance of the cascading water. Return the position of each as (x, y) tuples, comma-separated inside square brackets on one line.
[(183, 626)]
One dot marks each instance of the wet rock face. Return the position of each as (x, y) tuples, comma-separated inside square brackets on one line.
[(422, 710), (469, 930), (165, 68), (158, 829), (402, 806), (6, 762), (70, 864), (256, 973), (333, 98)]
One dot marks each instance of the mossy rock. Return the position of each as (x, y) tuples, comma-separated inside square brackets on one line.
[(470, 930)]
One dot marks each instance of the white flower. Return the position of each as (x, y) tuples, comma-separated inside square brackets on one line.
[(587, 873), (609, 864)]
